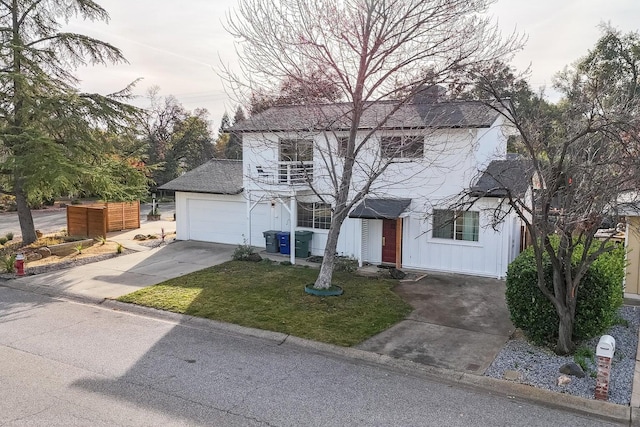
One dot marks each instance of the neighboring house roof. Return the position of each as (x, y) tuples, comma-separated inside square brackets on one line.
[(441, 114), (503, 177), (380, 208), (214, 177)]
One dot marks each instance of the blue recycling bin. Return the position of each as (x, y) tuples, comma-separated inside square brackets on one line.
[(285, 242)]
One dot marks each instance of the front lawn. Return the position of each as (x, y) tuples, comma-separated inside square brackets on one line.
[(271, 297)]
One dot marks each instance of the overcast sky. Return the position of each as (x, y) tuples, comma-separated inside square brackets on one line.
[(178, 46)]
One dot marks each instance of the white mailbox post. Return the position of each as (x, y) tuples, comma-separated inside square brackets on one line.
[(604, 353)]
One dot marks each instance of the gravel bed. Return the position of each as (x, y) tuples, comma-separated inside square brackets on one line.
[(46, 268), (538, 367), (155, 243)]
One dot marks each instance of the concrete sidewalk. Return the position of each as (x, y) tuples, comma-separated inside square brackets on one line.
[(121, 275)]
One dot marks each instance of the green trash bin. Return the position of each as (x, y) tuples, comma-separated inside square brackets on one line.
[(303, 239), (271, 241)]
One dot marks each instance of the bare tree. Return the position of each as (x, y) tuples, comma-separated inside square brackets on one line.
[(583, 154), (177, 140), (373, 50)]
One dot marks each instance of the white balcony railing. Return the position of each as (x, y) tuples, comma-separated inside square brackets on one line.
[(286, 173), (295, 173)]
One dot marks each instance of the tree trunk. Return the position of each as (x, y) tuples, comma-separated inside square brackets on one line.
[(565, 333), (326, 269), (27, 228)]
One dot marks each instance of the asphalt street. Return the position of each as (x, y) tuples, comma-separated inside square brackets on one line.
[(64, 363)]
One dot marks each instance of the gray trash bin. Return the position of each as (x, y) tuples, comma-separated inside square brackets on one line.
[(271, 241), (303, 238)]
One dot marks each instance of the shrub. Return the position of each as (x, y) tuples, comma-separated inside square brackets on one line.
[(600, 295), (9, 236), (8, 263), (346, 264), (119, 248), (242, 252), (584, 357), (3, 240)]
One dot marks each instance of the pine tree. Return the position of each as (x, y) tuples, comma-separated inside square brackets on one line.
[(53, 136)]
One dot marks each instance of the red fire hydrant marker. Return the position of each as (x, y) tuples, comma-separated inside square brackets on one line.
[(19, 264)]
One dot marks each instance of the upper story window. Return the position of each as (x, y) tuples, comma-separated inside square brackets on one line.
[(314, 215), (456, 225), (296, 150), (343, 142), (409, 146)]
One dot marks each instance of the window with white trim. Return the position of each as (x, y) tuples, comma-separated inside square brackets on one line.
[(407, 146), (343, 143), (456, 225), (314, 215), (296, 150)]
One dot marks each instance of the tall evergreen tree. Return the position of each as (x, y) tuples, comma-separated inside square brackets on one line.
[(53, 136), (234, 145)]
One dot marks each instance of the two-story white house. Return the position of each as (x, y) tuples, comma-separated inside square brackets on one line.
[(423, 156)]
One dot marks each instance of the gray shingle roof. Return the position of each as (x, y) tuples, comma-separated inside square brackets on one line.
[(214, 177), (445, 114), (380, 208), (504, 176)]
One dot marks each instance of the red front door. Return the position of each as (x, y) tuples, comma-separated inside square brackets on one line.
[(389, 241)]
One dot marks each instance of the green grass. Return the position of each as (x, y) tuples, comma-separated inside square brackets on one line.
[(272, 297)]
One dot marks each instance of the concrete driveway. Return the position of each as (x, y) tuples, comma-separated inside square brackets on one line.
[(459, 322), (119, 276)]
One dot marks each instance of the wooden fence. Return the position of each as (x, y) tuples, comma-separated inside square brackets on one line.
[(102, 218)]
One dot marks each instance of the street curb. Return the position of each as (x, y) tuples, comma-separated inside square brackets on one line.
[(604, 410), (51, 292), (508, 389)]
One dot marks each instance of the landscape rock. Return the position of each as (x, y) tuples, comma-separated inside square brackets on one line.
[(139, 237), (397, 274), (254, 257), (44, 252), (572, 369), (511, 375), (563, 380), (32, 256)]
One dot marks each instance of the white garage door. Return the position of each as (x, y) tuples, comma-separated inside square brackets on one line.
[(217, 221)]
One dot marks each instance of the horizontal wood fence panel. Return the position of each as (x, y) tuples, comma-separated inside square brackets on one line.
[(99, 219)]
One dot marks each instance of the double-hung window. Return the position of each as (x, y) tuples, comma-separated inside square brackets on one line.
[(456, 225), (407, 146), (296, 150), (343, 142), (314, 215)]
